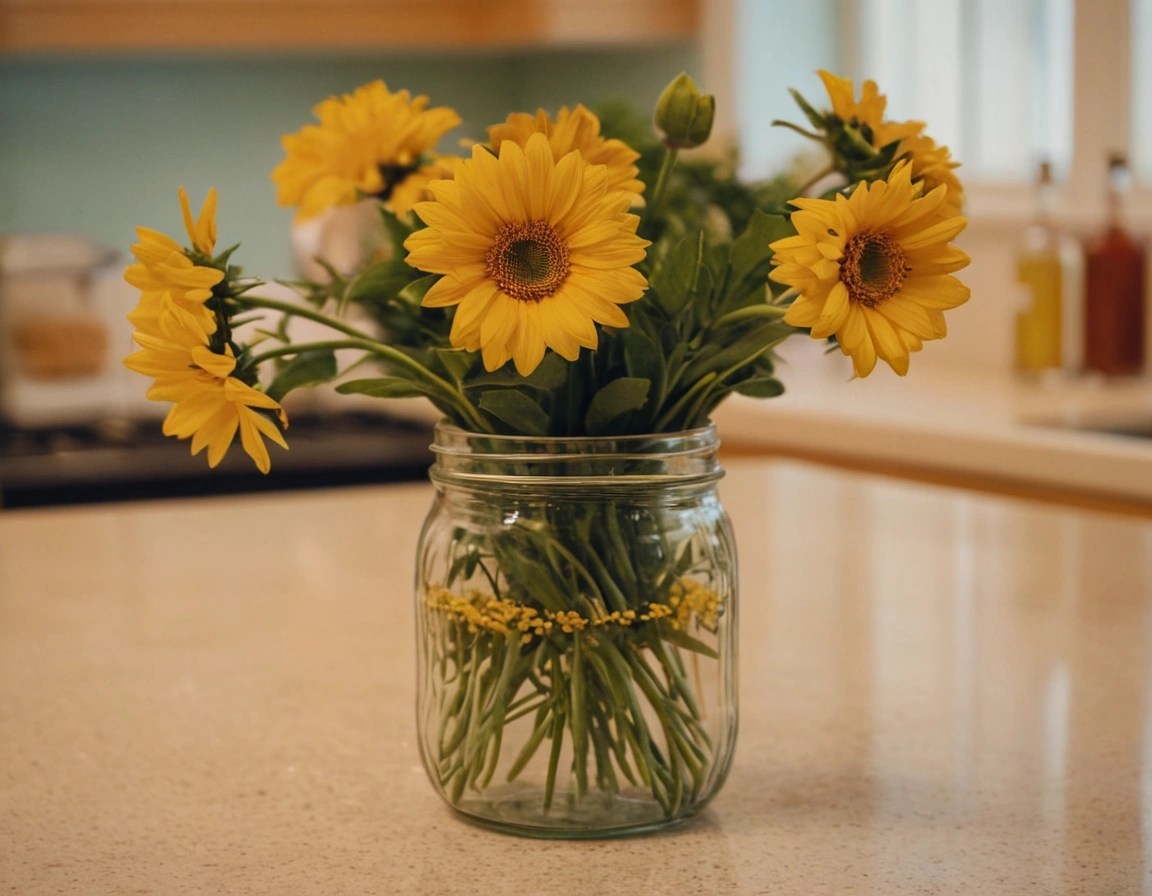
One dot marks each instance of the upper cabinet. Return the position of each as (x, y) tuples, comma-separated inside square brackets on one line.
[(31, 26)]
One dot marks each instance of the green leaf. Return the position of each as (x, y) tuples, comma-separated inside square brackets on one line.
[(750, 250), (745, 349), (414, 292), (644, 360), (628, 393), (383, 387), (751, 313), (397, 231), (379, 282), (702, 294), (548, 375), (675, 278), (456, 361), (306, 369), (517, 410), (760, 387), (817, 120)]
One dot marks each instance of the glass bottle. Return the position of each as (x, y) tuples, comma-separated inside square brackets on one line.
[(1039, 326), (1114, 289), (576, 616)]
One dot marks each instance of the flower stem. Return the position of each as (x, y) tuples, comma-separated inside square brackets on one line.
[(815, 179), (305, 312), (661, 188), (363, 341)]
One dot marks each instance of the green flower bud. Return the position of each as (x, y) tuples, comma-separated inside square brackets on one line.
[(684, 115)]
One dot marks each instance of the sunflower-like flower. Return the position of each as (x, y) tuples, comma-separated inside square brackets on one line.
[(575, 129), (367, 143), (202, 232), (165, 268), (867, 111), (414, 188), (874, 269), (210, 405), (931, 163), (534, 251)]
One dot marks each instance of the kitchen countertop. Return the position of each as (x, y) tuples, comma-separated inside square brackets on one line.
[(974, 426), (941, 692)]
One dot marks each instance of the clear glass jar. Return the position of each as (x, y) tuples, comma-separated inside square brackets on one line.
[(576, 615)]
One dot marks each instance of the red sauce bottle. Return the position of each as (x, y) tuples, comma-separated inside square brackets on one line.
[(1114, 289)]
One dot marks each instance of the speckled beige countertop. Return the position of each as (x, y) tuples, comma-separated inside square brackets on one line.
[(941, 694)]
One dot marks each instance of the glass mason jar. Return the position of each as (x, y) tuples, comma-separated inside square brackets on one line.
[(576, 615)]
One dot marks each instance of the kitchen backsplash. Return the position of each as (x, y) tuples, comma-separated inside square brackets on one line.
[(97, 146)]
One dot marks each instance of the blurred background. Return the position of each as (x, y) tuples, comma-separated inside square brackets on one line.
[(107, 106)]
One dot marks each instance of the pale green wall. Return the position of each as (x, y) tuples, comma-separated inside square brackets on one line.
[(780, 44), (97, 146)]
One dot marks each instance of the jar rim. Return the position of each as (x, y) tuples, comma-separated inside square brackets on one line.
[(685, 458), (443, 425)]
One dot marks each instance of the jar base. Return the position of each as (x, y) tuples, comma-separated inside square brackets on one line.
[(568, 818)]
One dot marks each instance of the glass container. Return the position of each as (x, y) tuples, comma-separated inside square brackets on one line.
[(576, 615)]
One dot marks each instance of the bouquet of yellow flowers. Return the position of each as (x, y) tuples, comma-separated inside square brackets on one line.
[(575, 305)]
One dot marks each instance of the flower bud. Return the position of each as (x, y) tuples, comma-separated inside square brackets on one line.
[(684, 115)]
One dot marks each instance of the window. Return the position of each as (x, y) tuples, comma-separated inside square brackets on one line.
[(1142, 90), (993, 78), (1003, 83)]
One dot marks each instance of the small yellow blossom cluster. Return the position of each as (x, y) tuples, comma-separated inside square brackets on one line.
[(480, 610), (179, 345), (687, 597)]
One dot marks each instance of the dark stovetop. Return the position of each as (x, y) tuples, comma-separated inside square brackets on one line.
[(122, 460)]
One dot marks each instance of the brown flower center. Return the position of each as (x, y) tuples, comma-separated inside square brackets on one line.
[(873, 268), (528, 260)]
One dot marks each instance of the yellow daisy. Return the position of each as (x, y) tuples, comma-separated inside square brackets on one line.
[(930, 163), (209, 404), (868, 110), (576, 129), (414, 188), (874, 269), (367, 143), (933, 165), (163, 268), (534, 251), (202, 233)]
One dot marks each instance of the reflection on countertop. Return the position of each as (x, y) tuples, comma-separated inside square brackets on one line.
[(940, 693)]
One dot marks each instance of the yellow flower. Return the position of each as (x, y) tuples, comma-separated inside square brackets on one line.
[(576, 129), (367, 143), (933, 165), (209, 404), (203, 232), (535, 252), (930, 163), (163, 269), (414, 188), (874, 269), (869, 110)]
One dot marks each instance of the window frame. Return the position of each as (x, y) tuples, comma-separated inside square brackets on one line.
[(1102, 110)]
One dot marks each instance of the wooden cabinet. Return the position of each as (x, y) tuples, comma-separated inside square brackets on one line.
[(31, 26)]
